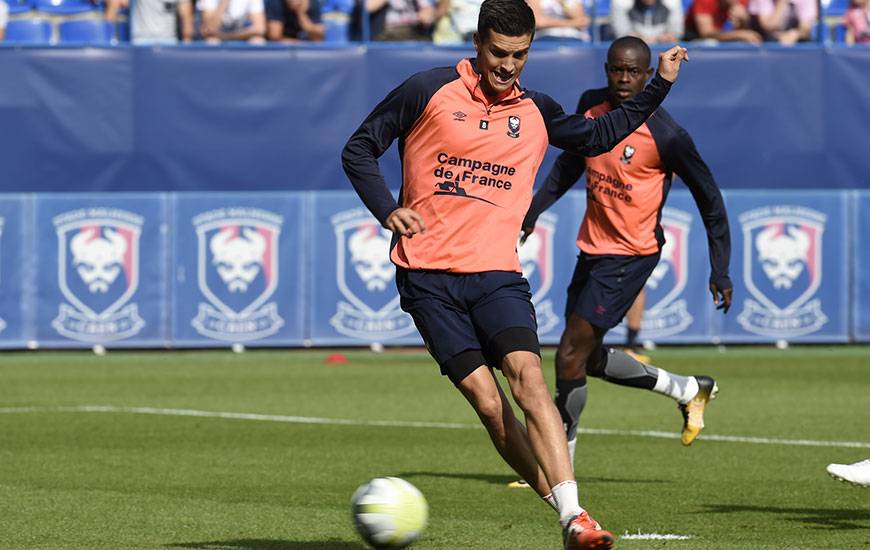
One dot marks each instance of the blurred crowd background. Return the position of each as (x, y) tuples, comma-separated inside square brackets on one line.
[(442, 22)]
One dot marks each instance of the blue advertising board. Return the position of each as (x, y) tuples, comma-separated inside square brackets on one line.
[(312, 268), (790, 277), (861, 265), (353, 296), (14, 256), (101, 269), (239, 262)]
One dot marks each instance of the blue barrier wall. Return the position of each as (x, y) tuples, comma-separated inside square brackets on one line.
[(312, 268), (187, 119)]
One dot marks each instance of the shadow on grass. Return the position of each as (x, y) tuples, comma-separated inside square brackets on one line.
[(504, 480), (829, 518), (267, 544)]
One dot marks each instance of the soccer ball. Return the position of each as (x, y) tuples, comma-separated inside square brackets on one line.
[(389, 512)]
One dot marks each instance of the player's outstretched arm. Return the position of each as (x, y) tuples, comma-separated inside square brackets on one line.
[(669, 62)]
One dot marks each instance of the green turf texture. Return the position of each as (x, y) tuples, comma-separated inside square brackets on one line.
[(123, 481)]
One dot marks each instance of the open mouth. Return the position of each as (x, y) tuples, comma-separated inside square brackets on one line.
[(502, 78)]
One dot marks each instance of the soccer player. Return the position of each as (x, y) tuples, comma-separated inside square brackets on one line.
[(471, 140), (620, 241)]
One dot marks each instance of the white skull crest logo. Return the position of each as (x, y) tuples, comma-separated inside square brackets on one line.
[(782, 256), (370, 256), (238, 258), (98, 260)]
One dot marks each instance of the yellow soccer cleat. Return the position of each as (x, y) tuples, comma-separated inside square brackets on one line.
[(693, 411)]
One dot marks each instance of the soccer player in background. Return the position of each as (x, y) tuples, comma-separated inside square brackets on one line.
[(620, 242), (471, 141)]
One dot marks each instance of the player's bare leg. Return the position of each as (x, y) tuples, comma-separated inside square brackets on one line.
[(507, 433), (547, 438)]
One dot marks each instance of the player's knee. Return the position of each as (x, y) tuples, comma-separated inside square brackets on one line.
[(489, 409), (570, 364), (530, 390)]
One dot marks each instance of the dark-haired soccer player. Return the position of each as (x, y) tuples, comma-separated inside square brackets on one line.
[(620, 242), (471, 141)]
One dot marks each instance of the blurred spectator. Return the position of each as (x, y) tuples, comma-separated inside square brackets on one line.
[(784, 21), (857, 20), (401, 19), (294, 20), (159, 21), (233, 20), (653, 21), (4, 16), (456, 21), (113, 7), (720, 20), (560, 20)]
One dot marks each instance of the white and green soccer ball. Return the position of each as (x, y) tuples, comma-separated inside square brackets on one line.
[(389, 512)]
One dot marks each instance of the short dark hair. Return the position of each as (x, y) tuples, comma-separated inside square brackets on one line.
[(631, 43), (508, 17)]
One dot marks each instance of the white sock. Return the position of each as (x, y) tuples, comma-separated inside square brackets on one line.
[(567, 501), (551, 500), (681, 388)]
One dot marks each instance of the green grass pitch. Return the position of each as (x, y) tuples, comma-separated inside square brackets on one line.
[(213, 450)]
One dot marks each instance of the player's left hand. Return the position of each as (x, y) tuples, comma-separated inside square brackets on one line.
[(669, 62), (721, 297)]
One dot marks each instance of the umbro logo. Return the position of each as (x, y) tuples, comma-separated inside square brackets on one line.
[(459, 116)]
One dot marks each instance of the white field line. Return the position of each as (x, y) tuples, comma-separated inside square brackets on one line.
[(412, 424), (654, 536)]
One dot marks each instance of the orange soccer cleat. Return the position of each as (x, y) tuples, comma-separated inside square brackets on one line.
[(584, 533)]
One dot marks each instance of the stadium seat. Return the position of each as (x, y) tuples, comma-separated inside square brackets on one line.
[(64, 7), (91, 31), (838, 33), (19, 6), (28, 31), (602, 8)]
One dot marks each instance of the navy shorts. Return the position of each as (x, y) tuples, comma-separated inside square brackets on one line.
[(469, 319), (603, 287)]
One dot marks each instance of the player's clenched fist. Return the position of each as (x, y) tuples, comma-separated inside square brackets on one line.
[(406, 222), (669, 62)]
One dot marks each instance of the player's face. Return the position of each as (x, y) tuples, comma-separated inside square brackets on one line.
[(627, 72), (500, 60)]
